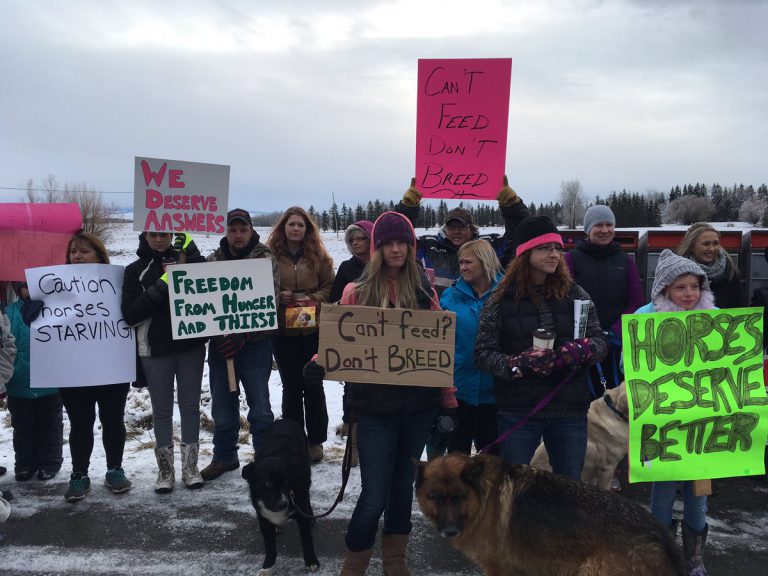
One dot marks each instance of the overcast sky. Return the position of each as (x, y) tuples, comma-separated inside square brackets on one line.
[(303, 98)]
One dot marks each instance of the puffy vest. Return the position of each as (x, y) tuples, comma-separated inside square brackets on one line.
[(519, 396)]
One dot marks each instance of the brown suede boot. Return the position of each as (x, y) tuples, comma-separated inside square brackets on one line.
[(393, 554), (356, 563)]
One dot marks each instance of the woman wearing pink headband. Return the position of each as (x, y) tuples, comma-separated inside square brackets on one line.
[(541, 387)]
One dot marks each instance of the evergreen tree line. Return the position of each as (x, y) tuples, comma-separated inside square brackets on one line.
[(632, 209)]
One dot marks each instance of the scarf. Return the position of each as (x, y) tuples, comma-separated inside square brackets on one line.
[(718, 270)]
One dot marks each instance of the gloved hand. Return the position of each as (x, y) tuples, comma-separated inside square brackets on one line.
[(184, 243), (230, 344), (412, 196), (507, 196), (440, 433), (30, 310), (314, 374), (572, 354), (158, 292), (533, 361)]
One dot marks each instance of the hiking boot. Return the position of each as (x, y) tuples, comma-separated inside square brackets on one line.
[(216, 469), (116, 481), (165, 473), (315, 453), (46, 474), (190, 475), (79, 486), (24, 475)]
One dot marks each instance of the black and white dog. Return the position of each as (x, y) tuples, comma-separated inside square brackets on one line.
[(279, 479)]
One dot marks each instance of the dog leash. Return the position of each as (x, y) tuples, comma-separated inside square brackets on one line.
[(612, 406), (346, 467), (536, 409)]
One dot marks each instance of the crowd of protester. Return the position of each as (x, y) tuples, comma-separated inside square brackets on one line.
[(502, 288)]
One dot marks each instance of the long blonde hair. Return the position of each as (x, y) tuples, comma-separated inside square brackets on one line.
[(692, 236), (314, 251), (373, 286), (556, 285)]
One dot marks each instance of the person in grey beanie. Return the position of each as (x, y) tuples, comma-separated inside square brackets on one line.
[(610, 276), (680, 284)]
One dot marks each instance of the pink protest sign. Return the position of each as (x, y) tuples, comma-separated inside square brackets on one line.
[(35, 234), (22, 249), (461, 127), (39, 217), (175, 196)]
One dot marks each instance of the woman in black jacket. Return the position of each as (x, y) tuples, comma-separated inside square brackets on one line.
[(541, 389), (701, 244), (163, 359)]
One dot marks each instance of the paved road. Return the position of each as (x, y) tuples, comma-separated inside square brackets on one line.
[(150, 535)]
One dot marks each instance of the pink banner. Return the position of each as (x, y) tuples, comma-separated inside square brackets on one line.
[(22, 249), (35, 234), (40, 217), (462, 110)]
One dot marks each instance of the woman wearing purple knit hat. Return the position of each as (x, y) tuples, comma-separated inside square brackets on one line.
[(541, 389), (393, 421)]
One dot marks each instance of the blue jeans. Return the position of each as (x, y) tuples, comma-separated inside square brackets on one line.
[(253, 365), (386, 445), (663, 496), (564, 438)]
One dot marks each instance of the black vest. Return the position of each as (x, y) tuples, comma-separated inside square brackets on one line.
[(519, 396), (603, 273)]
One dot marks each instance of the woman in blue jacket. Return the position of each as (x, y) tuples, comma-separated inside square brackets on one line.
[(476, 415)]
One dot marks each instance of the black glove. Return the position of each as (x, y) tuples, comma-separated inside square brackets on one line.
[(230, 344), (314, 374), (440, 433), (158, 292), (184, 243), (30, 310)]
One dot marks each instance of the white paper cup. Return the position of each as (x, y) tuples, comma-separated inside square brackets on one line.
[(543, 339)]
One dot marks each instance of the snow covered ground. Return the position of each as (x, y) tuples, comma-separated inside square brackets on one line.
[(180, 509)]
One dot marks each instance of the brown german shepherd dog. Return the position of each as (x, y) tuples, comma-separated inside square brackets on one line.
[(515, 520)]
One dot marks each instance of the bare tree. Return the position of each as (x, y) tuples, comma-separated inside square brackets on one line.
[(689, 209), (752, 210), (572, 203), (97, 213)]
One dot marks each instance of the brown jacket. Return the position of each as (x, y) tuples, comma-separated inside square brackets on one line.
[(299, 277)]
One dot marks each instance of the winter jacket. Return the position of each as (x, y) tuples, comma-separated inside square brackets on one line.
[(506, 329), (441, 255), (727, 291), (19, 384), (473, 386), (390, 400), (296, 275), (254, 249), (7, 349), (611, 279), (145, 301), (349, 271)]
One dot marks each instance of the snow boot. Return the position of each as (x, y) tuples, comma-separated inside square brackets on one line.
[(693, 550), (393, 554), (165, 474), (189, 472), (356, 563)]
